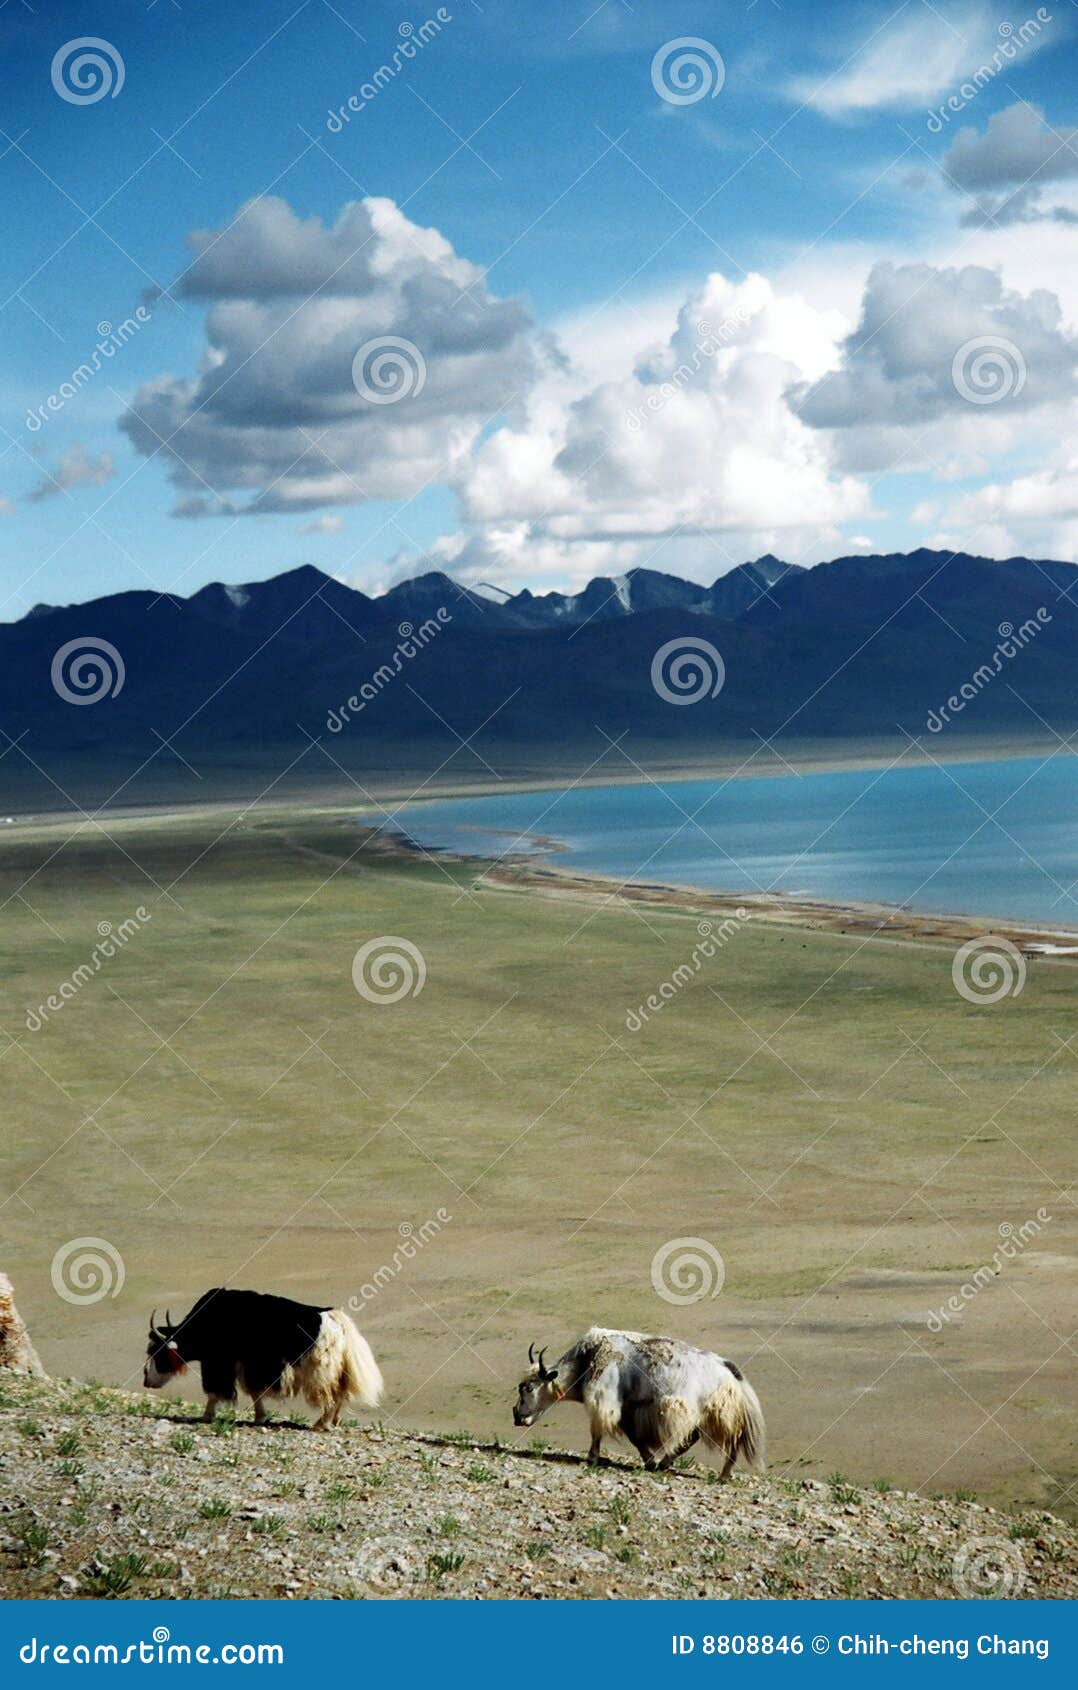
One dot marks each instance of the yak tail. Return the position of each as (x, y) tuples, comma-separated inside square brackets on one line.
[(733, 1419), (360, 1374)]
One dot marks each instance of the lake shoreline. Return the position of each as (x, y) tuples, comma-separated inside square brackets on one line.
[(855, 917), (885, 848)]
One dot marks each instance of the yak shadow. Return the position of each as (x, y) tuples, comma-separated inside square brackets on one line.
[(560, 1457), (195, 1422)]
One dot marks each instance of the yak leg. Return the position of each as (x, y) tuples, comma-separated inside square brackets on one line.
[(598, 1428), (648, 1450), (218, 1382), (676, 1454), (259, 1386), (638, 1425)]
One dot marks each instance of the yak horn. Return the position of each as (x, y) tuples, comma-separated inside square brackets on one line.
[(153, 1321), (168, 1321), (542, 1353), (531, 1354)]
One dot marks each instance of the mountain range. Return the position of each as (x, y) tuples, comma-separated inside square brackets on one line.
[(242, 685)]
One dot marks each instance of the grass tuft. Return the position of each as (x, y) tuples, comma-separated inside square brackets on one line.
[(217, 1508)]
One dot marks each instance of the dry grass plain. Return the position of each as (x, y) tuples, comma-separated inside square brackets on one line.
[(221, 1105)]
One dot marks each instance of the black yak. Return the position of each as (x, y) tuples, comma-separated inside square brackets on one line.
[(269, 1347)]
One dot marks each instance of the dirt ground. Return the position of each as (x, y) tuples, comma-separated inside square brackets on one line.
[(106, 1494)]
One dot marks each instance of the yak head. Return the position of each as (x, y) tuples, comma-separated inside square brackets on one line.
[(537, 1390), (163, 1358)]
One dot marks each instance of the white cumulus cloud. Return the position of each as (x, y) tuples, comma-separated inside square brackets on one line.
[(1007, 168), (944, 367), (695, 451), (275, 418)]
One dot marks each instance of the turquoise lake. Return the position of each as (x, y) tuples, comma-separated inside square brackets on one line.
[(984, 838)]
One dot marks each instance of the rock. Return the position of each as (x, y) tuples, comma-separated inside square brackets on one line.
[(17, 1353)]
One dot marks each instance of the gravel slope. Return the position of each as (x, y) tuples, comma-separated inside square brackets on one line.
[(107, 1493)]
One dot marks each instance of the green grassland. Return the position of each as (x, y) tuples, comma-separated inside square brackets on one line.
[(220, 1104)]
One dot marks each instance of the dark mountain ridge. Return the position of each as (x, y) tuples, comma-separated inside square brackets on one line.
[(249, 680)]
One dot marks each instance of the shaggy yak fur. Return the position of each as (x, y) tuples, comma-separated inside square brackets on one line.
[(269, 1347), (659, 1393)]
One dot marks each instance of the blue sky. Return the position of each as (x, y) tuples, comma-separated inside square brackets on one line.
[(787, 310)]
